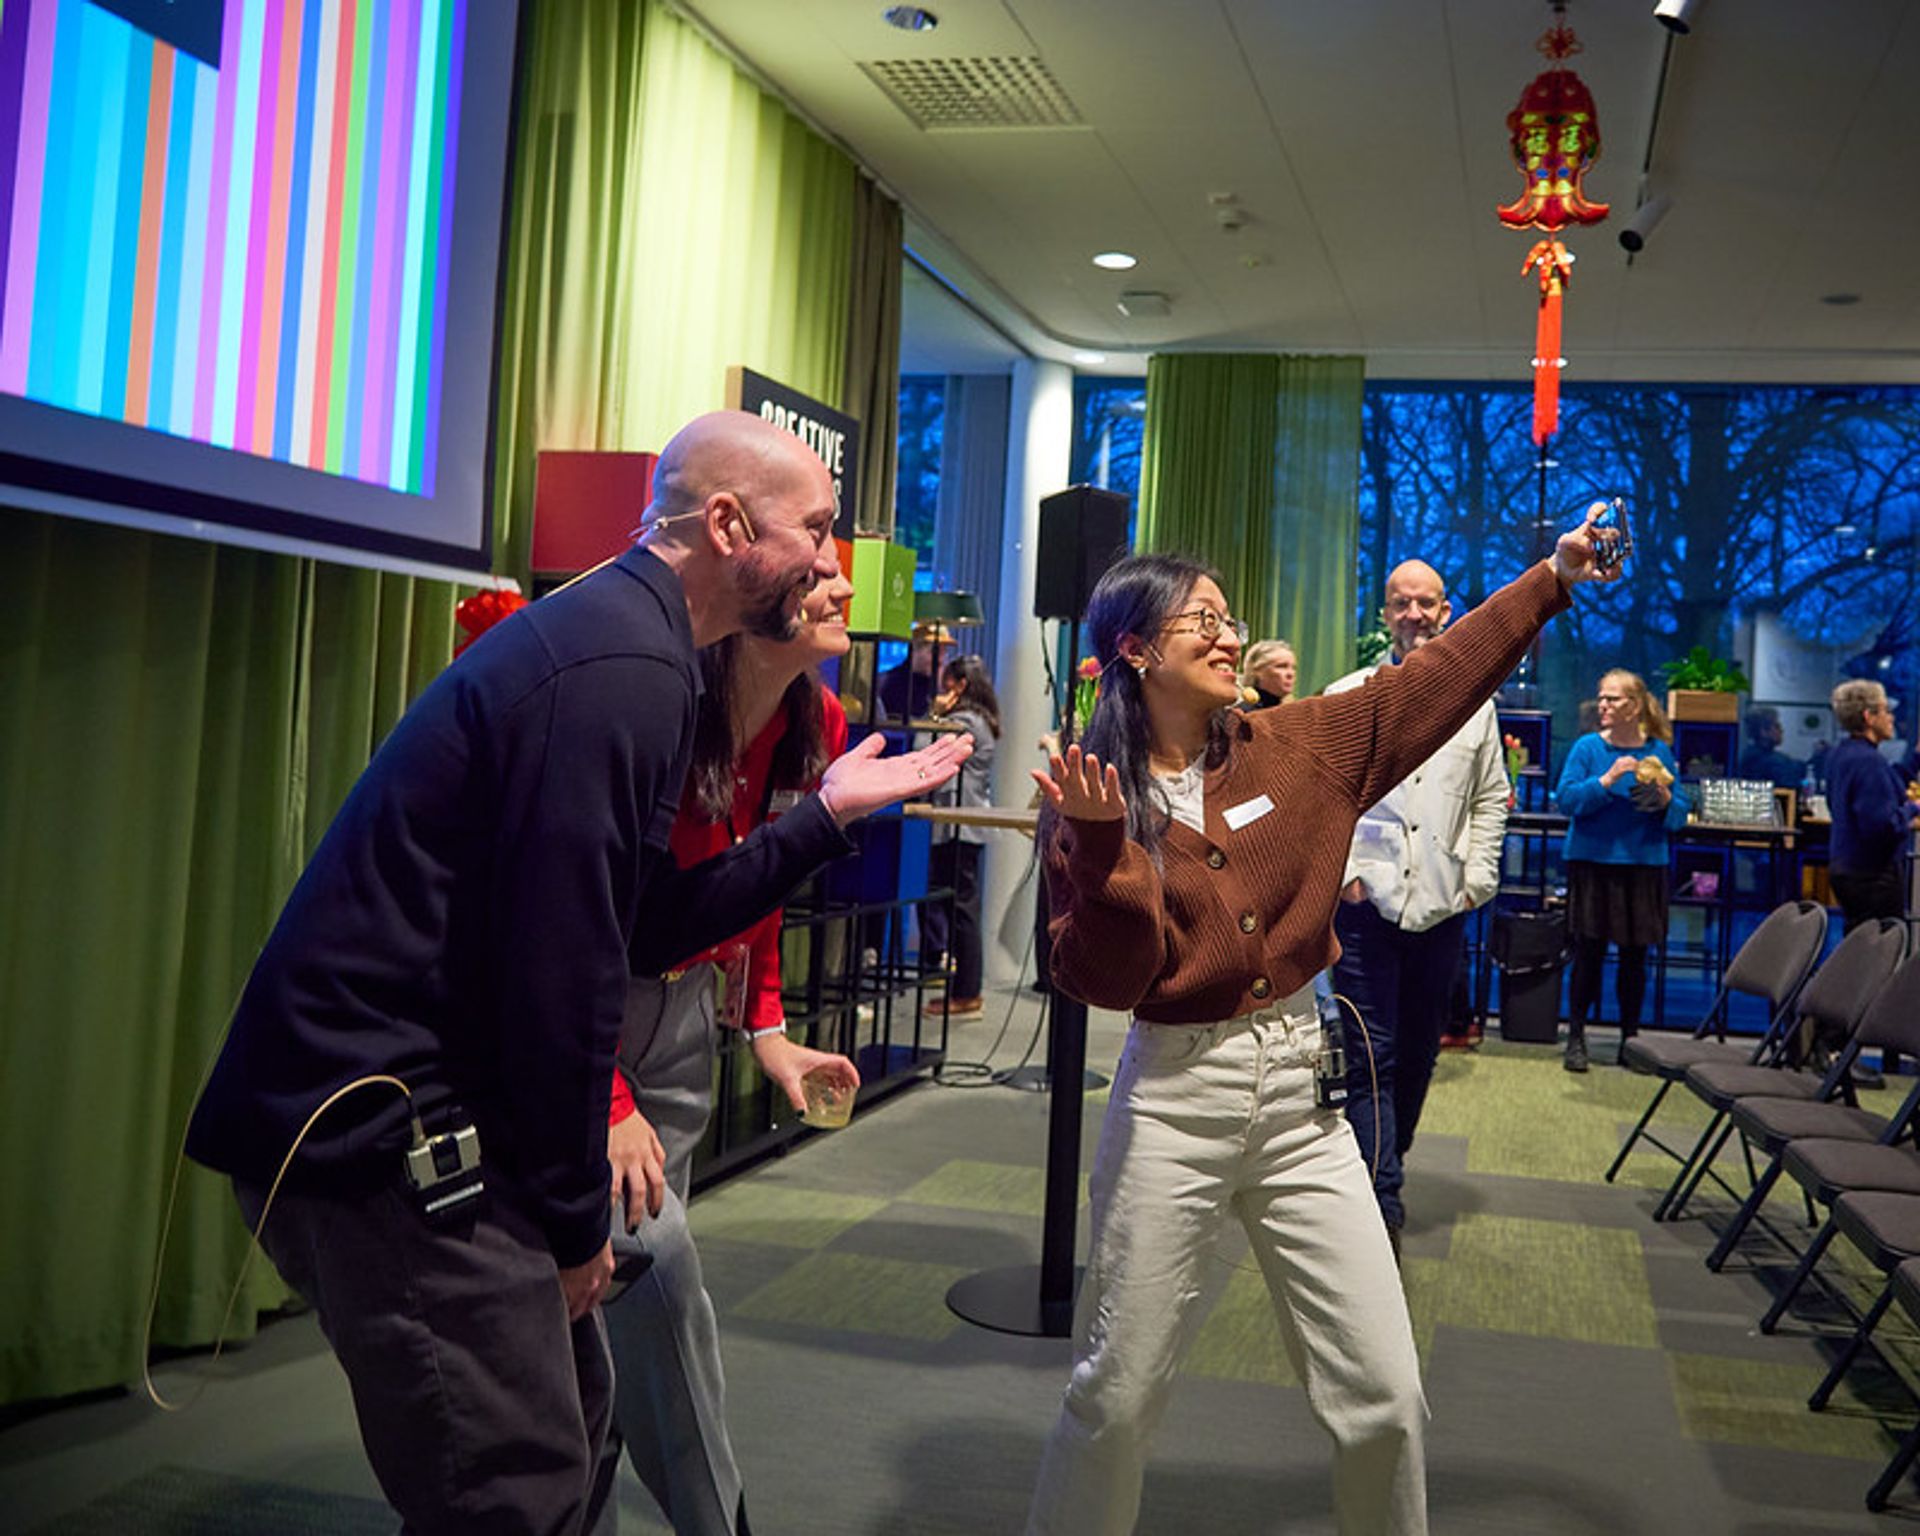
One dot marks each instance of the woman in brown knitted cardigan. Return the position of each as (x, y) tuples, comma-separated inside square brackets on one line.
[(1193, 860)]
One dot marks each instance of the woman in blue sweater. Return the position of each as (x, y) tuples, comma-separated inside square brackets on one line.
[(1620, 808)]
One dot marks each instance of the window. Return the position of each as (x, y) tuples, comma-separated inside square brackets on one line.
[(916, 495), (1793, 501), (1109, 417)]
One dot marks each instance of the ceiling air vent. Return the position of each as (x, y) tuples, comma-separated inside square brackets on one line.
[(975, 93)]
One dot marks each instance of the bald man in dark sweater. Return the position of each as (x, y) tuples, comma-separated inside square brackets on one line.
[(419, 1060)]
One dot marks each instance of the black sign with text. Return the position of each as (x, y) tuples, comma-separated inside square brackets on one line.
[(829, 433)]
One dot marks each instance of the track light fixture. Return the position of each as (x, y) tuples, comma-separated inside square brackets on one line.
[(1645, 218), (1676, 15)]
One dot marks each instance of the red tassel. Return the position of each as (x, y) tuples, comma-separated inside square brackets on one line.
[(1550, 259), (1546, 367)]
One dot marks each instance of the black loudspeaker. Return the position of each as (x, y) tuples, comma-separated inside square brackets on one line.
[(1083, 530), (1530, 949)]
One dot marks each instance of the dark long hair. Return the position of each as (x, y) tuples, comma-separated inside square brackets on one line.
[(976, 689), (1137, 596), (799, 758)]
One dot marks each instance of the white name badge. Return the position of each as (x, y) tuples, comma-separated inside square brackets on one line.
[(1237, 816)]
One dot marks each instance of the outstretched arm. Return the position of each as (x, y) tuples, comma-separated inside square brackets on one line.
[(684, 911), (1371, 737)]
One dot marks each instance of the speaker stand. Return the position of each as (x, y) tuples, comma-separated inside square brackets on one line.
[(1039, 1079)]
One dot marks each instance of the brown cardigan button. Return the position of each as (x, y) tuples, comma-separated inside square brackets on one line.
[(1248, 922), (1261, 986), (1215, 859)]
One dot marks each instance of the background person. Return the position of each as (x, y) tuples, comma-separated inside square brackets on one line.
[(1423, 857), (966, 699), (906, 689), (1271, 670), (1619, 818), (1763, 758), (1868, 803)]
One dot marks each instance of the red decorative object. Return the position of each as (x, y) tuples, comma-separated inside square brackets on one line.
[(1553, 264), (1555, 134), (479, 613)]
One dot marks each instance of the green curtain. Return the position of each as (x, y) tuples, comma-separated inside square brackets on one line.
[(1251, 462), (670, 219), (181, 720), (872, 393)]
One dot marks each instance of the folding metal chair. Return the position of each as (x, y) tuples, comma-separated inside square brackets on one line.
[(1774, 963), (1891, 1022), (1830, 1008)]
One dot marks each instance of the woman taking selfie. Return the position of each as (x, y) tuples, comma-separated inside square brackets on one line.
[(1194, 856)]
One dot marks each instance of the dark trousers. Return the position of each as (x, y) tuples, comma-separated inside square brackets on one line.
[(1864, 897), (1402, 984), (957, 865), (481, 1408), (1629, 983)]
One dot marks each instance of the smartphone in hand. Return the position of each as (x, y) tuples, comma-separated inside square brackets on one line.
[(1612, 537)]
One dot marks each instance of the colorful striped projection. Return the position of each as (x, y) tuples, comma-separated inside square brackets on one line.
[(253, 256)]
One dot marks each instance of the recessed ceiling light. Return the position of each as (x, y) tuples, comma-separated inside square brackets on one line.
[(1116, 261), (1840, 300), (909, 18), (1090, 359)]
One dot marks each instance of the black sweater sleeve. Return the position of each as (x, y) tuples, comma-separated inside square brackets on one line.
[(683, 911)]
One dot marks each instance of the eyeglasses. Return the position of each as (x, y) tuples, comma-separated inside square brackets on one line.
[(1209, 624)]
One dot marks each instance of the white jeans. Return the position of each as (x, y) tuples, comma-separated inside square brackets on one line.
[(1205, 1119)]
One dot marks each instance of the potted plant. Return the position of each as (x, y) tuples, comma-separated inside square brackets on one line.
[(1700, 686), (1372, 643)]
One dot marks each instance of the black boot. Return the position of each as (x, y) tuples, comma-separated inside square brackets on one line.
[(1576, 1057)]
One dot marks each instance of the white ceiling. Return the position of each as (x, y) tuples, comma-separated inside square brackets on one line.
[(1365, 141)]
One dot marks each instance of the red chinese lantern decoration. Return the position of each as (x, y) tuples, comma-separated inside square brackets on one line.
[(1555, 136)]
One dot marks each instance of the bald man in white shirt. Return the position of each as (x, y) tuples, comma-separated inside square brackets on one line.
[(1424, 857)]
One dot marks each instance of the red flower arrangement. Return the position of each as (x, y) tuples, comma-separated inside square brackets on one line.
[(479, 613)]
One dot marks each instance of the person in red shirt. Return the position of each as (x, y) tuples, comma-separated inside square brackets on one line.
[(767, 728)]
